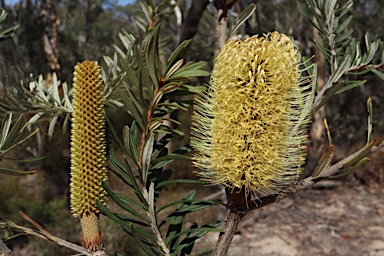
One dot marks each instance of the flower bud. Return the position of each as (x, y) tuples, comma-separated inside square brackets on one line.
[(88, 146), (88, 152)]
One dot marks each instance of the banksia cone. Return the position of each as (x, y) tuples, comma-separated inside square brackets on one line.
[(88, 151), (250, 126)]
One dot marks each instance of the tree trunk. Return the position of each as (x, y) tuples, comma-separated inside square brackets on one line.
[(191, 23), (48, 15)]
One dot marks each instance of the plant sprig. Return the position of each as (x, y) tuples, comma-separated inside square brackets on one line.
[(147, 84), (341, 50)]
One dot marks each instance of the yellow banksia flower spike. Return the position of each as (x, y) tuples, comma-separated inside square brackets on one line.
[(251, 124), (88, 151)]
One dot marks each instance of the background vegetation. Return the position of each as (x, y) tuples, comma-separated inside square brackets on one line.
[(54, 35)]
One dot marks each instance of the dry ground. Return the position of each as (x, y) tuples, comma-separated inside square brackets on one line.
[(332, 218)]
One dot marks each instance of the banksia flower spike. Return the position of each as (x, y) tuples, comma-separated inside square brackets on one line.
[(88, 152), (250, 126)]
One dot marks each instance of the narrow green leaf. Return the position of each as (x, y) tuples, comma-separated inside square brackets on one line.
[(15, 172), (171, 157), (120, 169), (330, 9), (184, 181), (343, 37), (35, 117), (9, 137), (133, 138), (15, 144), (132, 110), (133, 80), (175, 226), (370, 118), (114, 217), (351, 169), (177, 55), (161, 164), (136, 222), (351, 85), (174, 68), (345, 8), (66, 94), (117, 199), (141, 244), (343, 25), (52, 124), (167, 130), (364, 151), (130, 201), (151, 57), (192, 70), (111, 129), (243, 16), (5, 126), (378, 73), (146, 156), (151, 210), (194, 233), (144, 78), (185, 90), (55, 87), (133, 98), (324, 161), (136, 188)]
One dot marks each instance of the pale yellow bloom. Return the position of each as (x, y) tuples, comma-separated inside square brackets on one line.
[(250, 126)]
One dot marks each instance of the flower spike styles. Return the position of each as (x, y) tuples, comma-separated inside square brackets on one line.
[(88, 151), (251, 124)]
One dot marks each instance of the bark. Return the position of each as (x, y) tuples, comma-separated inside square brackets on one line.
[(48, 15), (317, 130), (237, 207)]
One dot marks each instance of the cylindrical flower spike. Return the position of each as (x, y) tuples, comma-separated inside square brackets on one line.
[(251, 124), (88, 151)]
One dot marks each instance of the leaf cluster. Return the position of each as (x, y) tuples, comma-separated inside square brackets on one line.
[(344, 53), (144, 86), (9, 32), (13, 133), (41, 101)]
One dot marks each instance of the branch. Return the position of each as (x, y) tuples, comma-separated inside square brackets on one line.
[(222, 8), (42, 233), (362, 67), (192, 20), (239, 204), (325, 88), (57, 240), (330, 171), (237, 208)]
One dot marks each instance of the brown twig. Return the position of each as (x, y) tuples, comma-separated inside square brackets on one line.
[(240, 204), (237, 208), (44, 234), (57, 240), (222, 8), (330, 171)]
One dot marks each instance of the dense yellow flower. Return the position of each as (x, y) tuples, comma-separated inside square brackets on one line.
[(88, 146), (250, 126)]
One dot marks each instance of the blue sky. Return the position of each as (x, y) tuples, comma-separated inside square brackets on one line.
[(121, 2), (125, 2)]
